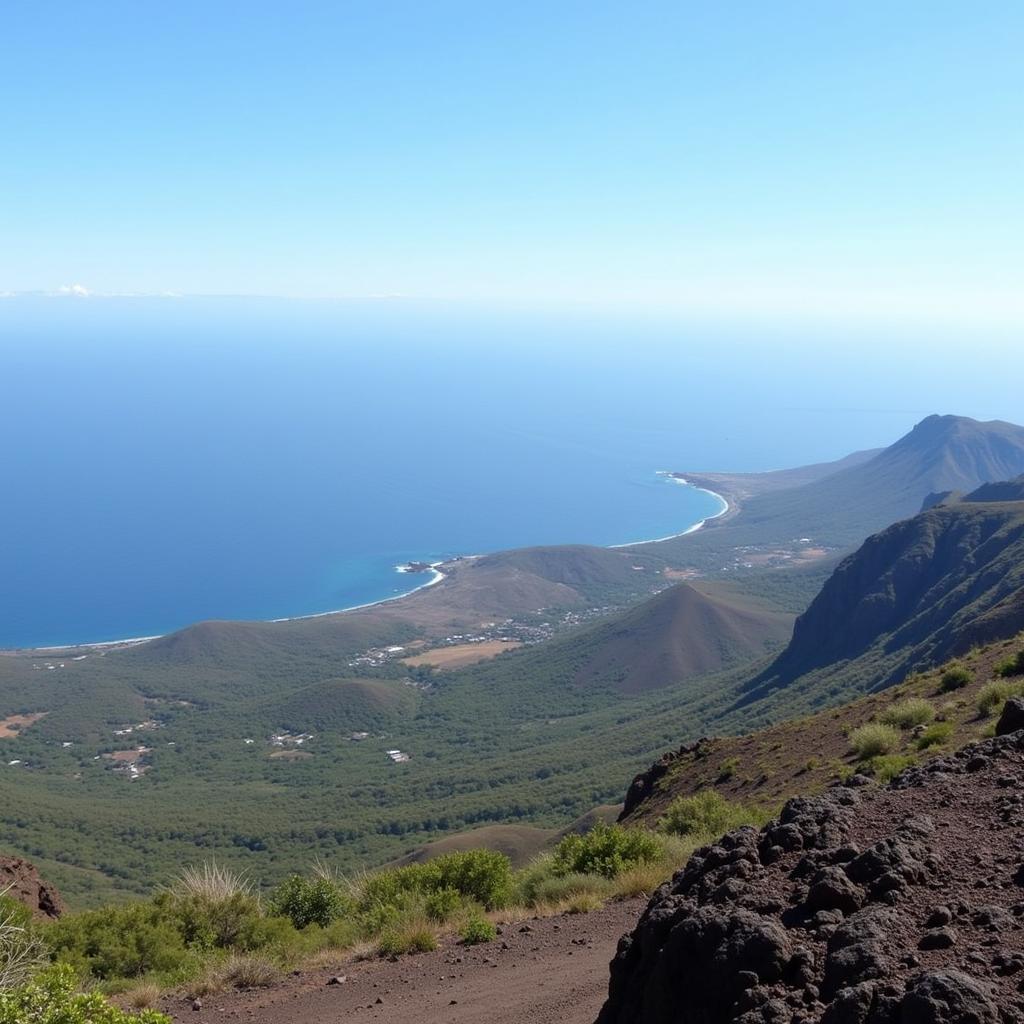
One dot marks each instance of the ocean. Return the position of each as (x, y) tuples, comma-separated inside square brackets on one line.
[(169, 460)]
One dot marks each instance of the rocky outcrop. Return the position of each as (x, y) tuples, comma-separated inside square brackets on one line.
[(21, 881), (902, 905), (644, 783)]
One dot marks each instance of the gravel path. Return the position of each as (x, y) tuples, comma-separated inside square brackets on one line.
[(549, 971)]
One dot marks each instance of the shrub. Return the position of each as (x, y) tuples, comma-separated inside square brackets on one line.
[(412, 936), (707, 813), (936, 734), (728, 769), (873, 739), (887, 766), (483, 876), (442, 904), (306, 901), (908, 713), (213, 922), (954, 678), (1013, 666), (51, 999), (476, 930), (121, 942), (552, 890), (605, 850), (994, 695)]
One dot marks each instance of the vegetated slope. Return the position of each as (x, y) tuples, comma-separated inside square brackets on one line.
[(802, 756), (343, 704), (863, 904), (941, 454), (679, 633), (918, 592)]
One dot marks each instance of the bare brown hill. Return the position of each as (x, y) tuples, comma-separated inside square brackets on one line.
[(678, 633)]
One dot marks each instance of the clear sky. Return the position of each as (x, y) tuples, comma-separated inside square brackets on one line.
[(849, 157)]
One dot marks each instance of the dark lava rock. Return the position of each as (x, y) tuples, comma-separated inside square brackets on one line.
[(832, 889), (938, 938), (814, 919), (1012, 718), (947, 997)]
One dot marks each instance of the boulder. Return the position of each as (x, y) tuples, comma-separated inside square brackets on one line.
[(1012, 718)]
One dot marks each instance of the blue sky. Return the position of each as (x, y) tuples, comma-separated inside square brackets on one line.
[(850, 159)]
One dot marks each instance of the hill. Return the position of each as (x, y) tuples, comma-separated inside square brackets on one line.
[(839, 509), (923, 589), (679, 633), (802, 756), (520, 843)]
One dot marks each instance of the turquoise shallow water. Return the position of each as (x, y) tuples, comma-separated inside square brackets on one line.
[(171, 461)]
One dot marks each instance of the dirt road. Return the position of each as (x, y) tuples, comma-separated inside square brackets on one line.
[(550, 971)]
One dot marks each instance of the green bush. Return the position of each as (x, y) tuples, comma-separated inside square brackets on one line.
[(992, 696), (605, 850), (476, 930), (873, 739), (306, 901), (51, 999), (539, 885), (954, 678), (908, 713), (484, 876), (936, 734), (121, 942), (213, 923), (412, 937), (887, 766), (728, 769), (1013, 666), (707, 813), (442, 904)]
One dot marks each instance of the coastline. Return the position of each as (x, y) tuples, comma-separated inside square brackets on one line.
[(437, 576), (690, 529)]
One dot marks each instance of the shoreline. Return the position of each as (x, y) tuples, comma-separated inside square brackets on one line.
[(436, 577), (690, 529)]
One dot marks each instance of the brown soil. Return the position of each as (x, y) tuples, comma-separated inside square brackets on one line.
[(14, 725), (554, 972), (458, 655), (129, 756)]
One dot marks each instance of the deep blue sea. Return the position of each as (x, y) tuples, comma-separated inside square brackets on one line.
[(166, 461)]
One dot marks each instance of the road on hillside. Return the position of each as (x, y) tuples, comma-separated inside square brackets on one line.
[(549, 971)]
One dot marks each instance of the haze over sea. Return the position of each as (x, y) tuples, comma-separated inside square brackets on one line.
[(172, 460)]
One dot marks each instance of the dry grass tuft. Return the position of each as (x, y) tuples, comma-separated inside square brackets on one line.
[(209, 881), (142, 997), (21, 954)]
